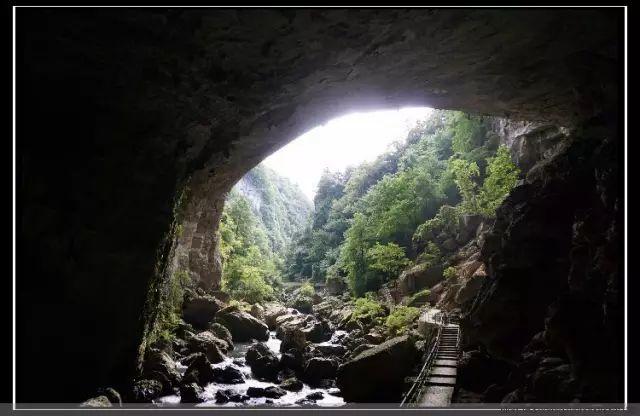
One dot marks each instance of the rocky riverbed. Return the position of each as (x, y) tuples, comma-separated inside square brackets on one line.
[(273, 354)]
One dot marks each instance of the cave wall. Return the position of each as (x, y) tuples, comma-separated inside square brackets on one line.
[(554, 289), (119, 109)]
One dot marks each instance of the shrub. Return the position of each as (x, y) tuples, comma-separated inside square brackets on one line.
[(400, 319), (449, 272), (423, 294), (367, 309), (306, 290)]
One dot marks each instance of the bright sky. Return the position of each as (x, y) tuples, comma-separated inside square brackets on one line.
[(345, 141)]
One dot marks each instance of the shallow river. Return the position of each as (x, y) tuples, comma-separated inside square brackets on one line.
[(236, 359)]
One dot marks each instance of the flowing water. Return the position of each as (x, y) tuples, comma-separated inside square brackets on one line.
[(236, 359)]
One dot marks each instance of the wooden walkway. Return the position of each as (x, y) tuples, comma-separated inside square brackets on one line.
[(434, 385)]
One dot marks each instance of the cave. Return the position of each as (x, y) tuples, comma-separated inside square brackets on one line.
[(132, 122)]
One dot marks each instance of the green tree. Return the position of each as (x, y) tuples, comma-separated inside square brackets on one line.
[(502, 175), (388, 259)]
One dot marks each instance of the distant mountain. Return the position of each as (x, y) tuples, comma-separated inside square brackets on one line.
[(278, 203)]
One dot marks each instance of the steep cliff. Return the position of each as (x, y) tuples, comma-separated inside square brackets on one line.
[(279, 204)]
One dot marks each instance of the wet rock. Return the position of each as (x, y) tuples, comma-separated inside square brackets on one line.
[(228, 375), (309, 328), (292, 359), (318, 369), (221, 332), (199, 310), (190, 393), (292, 384), (144, 391), (199, 370), (292, 338), (263, 362), (99, 401), (317, 395), (207, 343), (377, 374), (159, 365), (271, 392), (225, 396), (335, 392), (242, 326)]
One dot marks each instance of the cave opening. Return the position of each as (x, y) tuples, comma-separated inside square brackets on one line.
[(153, 129)]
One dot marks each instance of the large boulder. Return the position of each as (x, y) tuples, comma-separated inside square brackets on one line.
[(221, 332), (421, 276), (271, 392), (477, 371), (293, 338), (158, 365), (271, 312), (377, 374), (292, 384), (243, 326), (318, 369), (310, 328), (199, 370), (144, 391), (263, 362), (293, 359), (199, 310), (257, 311), (208, 344), (190, 393), (228, 375)]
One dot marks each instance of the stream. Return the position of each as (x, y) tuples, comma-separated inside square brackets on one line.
[(236, 359)]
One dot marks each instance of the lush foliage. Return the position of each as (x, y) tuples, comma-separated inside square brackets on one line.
[(369, 221), (367, 309), (449, 272), (306, 290), (401, 318)]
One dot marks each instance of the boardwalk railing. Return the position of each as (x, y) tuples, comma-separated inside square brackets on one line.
[(415, 391)]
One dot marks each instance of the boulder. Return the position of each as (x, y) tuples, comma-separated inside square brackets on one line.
[(271, 312), (111, 394), (336, 286), (228, 375), (208, 344), (316, 395), (225, 396), (293, 338), (377, 374), (292, 384), (221, 332), (292, 359), (318, 369), (257, 311), (304, 304), (199, 310), (421, 276), (374, 337), (271, 392), (331, 349), (144, 391), (190, 393), (263, 362), (307, 327), (159, 363), (199, 370), (99, 401), (242, 326)]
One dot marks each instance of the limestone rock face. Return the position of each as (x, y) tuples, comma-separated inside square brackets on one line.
[(178, 104), (377, 374)]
